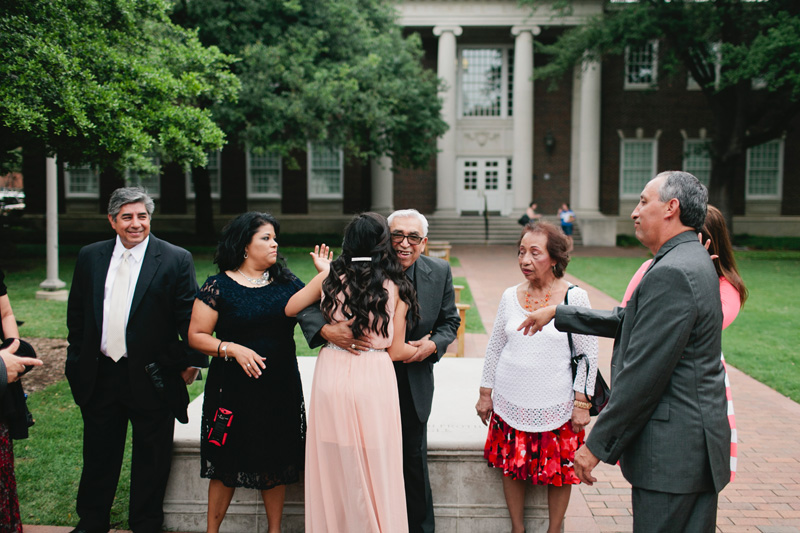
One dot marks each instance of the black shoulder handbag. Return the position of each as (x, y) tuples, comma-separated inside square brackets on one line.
[(599, 398)]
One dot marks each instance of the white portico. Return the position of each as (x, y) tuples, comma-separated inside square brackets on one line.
[(485, 55)]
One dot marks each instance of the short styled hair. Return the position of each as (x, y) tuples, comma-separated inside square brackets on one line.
[(557, 243), (690, 193), (410, 213), (129, 195)]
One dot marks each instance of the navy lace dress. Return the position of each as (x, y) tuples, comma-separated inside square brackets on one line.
[(265, 446)]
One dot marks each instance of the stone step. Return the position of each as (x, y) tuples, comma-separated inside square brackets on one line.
[(472, 229)]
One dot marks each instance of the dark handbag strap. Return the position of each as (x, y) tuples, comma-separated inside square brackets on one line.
[(576, 359)]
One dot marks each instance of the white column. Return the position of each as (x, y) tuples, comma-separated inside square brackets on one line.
[(522, 164), (446, 158), (52, 287), (575, 138), (382, 185), (588, 193)]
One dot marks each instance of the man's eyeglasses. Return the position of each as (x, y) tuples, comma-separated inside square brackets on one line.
[(397, 237)]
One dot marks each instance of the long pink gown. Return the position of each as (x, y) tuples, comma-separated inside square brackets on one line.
[(354, 456)]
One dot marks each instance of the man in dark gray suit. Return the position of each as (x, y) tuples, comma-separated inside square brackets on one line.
[(436, 329), (666, 421)]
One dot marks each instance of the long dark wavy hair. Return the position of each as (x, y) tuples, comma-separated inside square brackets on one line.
[(238, 234), (360, 284)]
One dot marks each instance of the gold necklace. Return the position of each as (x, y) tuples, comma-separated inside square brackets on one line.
[(531, 307)]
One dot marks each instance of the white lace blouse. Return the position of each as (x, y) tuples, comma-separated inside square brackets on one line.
[(531, 376)]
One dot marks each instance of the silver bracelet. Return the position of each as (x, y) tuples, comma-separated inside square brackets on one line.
[(225, 350)]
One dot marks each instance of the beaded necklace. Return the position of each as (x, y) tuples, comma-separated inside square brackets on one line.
[(259, 281), (536, 305)]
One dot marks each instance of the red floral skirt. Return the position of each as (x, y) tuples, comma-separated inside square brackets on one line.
[(541, 458), (9, 506)]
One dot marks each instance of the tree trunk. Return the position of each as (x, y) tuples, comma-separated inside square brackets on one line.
[(721, 188), (111, 179), (203, 213)]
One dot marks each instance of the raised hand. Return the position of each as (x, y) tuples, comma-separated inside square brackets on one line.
[(707, 244), (322, 257)]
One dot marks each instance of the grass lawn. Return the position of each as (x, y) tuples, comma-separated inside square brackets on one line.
[(762, 341), (48, 464)]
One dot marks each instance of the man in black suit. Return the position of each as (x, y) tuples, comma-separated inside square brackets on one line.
[(128, 316), (436, 329)]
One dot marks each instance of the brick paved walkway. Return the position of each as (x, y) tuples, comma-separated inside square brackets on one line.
[(764, 498)]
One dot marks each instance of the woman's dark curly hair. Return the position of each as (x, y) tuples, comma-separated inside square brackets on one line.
[(360, 283), (238, 234)]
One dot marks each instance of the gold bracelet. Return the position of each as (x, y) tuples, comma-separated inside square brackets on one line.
[(583, 405)]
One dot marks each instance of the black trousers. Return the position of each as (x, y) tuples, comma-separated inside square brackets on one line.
[(665, 512), (419, 503), (105, 426)]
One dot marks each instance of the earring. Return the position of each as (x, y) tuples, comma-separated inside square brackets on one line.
[(554, 269), (245, 254)]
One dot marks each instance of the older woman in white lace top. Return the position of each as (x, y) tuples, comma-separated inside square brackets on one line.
[(536, 412)]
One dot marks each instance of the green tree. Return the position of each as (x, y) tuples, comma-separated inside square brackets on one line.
[(108, 81), (754, 46), (338, 71)]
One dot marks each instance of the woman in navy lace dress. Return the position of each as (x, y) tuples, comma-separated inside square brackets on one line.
[(253, 378)]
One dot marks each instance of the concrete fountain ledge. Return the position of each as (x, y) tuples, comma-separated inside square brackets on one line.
[(467, 495)]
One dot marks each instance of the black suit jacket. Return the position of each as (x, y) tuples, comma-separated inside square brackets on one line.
[(438, 317), (158, 323)]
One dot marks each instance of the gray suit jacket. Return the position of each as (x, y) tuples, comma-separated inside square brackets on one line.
[(438, 316), (666, 421)]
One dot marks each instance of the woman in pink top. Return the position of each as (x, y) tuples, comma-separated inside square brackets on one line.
[(732, 292)]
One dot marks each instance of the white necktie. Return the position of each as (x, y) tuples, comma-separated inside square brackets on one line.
[(118, 307)]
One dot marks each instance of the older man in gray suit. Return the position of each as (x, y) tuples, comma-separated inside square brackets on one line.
[(666, 421)]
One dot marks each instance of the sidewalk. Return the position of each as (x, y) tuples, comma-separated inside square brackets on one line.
[(764, 498)]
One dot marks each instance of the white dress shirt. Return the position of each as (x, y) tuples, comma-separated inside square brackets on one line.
[(135, 262)]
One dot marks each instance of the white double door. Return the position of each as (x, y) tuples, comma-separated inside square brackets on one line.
[(484, 185)]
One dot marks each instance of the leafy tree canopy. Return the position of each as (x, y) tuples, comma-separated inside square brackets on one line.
[(744, 54), (107, 81), (338, 71)]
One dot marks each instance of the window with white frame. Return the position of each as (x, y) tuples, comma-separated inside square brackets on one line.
[(697, 159), (214, 175), (263, 174), (81, 181), (641, 65), (637, 165), (765, 170), (325, 171), (486, 78), (151, 182)]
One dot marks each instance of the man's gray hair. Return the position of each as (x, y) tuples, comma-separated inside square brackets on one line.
[(410, 213), (129, 195), (690, 193)]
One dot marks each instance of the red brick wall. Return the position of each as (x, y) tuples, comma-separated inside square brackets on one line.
[(552, 112)]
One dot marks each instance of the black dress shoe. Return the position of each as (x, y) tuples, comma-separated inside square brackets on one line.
[(81, 530)]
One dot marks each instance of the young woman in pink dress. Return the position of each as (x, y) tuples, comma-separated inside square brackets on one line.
[(732, 292), (354, 458)]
